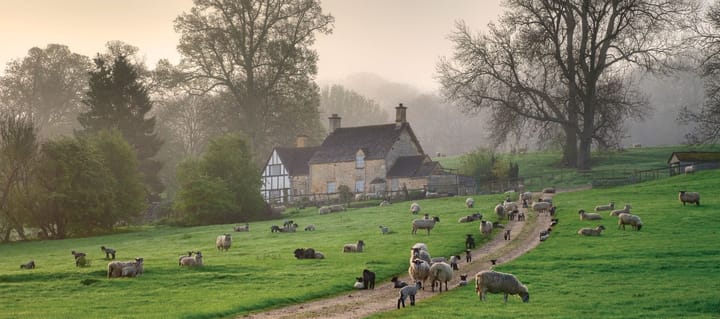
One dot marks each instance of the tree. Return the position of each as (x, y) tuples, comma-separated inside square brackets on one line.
[(48, 85), (548, 60), (259, 52), (355, 109), (117, 99)]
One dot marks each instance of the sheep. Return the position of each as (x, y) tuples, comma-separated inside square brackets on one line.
[(359, 197), (28, 265), (243, 228), (468, 255), (541, 206), (629, 219), (454, 259), (549, 190), (591, 231), (191, 262), (115, 268), (588, 216), (463, 280), (554, 222), (498, 282), (310, 227), (384, 229), (438, 260), (470, 218), (427, 224), (417, 253), (420, 246), (689, 169), (469, 202), (368, 278), (429, 194), (359, 283), (506, 235), (414, 208), (337, 208), (408, 291), (80, 259), (324, 210), (223, 242), (354, 248), (625, 209), (419, 271), (108, 252), (486, 227), (500, 211), (610, 206), (384, 203), (689, 197), (469, 241), (398, 283), (440, 272), (134, 269), (545, 234), (510, 206), (527, 196), (498, 225)]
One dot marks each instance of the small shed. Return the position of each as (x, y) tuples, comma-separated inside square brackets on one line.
[(699, 160)]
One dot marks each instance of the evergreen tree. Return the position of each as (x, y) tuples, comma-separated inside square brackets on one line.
[(118, 99)]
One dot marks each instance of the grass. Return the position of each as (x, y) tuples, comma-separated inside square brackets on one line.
[(670, 269)]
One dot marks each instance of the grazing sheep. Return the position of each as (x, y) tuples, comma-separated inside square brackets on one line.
[(689, 197), (368, 278), (414, 208), (427, 224), (469, 241), (108, 252), (223, 242), (310, 227), (134, 269), (115, 268), (588, 216), (384, 203), (463, 280), (591, 231), (624, 210), (500, 211), (324, 210), (609, 206), (486, 227), (354, 248), (440, 272), (506, 235), (469, 202), (80, 259), (359, 283), (243, 228), (419, 271), (470, 218), (28, 265), (384, 230), (497, 282), (454, 259), (408, 291), (398, 283), (192, 262), (629, 219), (541, 207)]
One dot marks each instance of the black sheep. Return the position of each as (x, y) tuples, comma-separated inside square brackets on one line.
[(368, 279)]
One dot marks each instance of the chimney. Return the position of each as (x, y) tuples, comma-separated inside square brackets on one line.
[(334, 122), (400, 114), (301, 140)]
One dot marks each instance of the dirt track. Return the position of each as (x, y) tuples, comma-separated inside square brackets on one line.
[(362, 303)]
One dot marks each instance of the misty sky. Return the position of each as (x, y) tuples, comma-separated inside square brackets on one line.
[(400, 40)]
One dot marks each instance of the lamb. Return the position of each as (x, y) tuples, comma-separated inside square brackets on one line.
[(414, 208), (115, 268), (354, 248), (80, 259), (497, 282), (610, 206), (506, 235), (223, 242), (368, 278), (486, 227), (427, 224), (192, 262), (440, 272), (625, 209), (500, 211), (28, 265), (108, 252), (469, 202), (468, 255), (629, 219), (243, 228), (408, 291), (591, 231), (417, 253), (689, 197), (454, 259), (398, 283), (463, 280), (419, 271), (384, 230), (541, 206), (470, 218), (310, 227), (359, 283), (588, 216), (545, 234), (469, 242), (324, 210)]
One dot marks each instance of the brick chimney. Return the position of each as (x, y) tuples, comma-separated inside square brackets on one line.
[(301, 140), (400, 114), (334, 122)]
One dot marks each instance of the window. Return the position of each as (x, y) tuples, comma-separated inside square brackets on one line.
[(275, 169), (394, 185), (360, 160), (275, 195), (360, 186), (331, 189)]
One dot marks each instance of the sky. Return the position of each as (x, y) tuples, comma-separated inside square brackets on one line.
[(399, 40)]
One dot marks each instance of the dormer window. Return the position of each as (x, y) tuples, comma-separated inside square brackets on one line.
[(360, 159)]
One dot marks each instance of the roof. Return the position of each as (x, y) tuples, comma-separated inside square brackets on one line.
[(413, 166), (295, 159), (375, 141), (694, 156)]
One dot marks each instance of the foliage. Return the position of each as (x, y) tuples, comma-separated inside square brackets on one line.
[(485, 165), (355, 109), (346, 195)]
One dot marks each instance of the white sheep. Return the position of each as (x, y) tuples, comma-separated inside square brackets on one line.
[(244, 228), (689, 169), (591, 231), (115, 268), (527, 196), (408, 291), (223, 242), (469, 202), (624, 210), (324, 210), (420, 246), (629, 219), (414, 208), (134, 269), (541, 206), (609, 206), (454, 259), (359, 283), (510, 206), (337, 208), (470, 218), (354, 248), (192, 261), (440, 272), (427, 224), (310, 227), (497, 282), (689, 197), (419, 271), (588, 216), (500, 210), (486, 227)]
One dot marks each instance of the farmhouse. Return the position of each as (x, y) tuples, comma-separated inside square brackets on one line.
[(372, 160), (699, 160)]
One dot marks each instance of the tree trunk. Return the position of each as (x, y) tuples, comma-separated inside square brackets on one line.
[(570, 148)]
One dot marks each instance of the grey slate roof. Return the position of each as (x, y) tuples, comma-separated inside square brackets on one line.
[(695, 156), (412, 166), (296, 159)]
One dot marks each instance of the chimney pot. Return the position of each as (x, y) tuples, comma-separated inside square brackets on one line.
[(334, 122), (400, 116)]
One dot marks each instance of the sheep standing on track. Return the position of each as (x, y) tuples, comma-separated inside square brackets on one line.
[(588, 216), (609, 206), (468, 255), (497, 282), (629, 219), (190, 261), (108, 252), (244, 228), (440, 272), (541, 207), (591, 231), (469, 202), (508, 207), (427, 224), (28, 265), (689, 197), (526, 196), (223, 242), (414, 208), (486, 227), (454, 259), (408, 291), (419, 271), (506, 235), (624, 210), (500, 211), (368, 278), (354, 248), (469, 242), (418, 253)]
